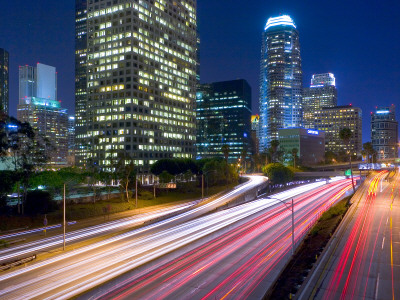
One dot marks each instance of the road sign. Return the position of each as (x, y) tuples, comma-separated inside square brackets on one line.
[(347, 172)]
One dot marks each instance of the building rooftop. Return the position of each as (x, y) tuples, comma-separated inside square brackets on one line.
[(284, 20)]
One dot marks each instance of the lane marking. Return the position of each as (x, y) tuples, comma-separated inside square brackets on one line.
[(377, 287), (383, 242)]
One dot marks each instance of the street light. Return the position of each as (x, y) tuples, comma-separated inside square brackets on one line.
[(64, 223), (292, 210)]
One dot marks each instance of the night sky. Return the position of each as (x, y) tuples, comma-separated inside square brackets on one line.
[(358, 41)]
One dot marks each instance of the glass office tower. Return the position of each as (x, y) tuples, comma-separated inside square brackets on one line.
[(223, 118), (280, 79), (385, 132), (321, 93), (80, 80), (141, 81)]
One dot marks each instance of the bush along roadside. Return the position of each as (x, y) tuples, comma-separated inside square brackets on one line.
[(307, 254)]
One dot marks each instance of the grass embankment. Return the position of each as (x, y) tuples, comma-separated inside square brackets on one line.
[(297, 269), (82, 211)]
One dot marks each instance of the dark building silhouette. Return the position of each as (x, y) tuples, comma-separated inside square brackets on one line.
[(223, 118)]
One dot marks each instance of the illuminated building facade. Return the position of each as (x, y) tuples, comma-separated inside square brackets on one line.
[(38, 106), (332, 120), (80, 78), (50, 121), (39, 81), (385, 132), (310, 144), (223, 118), (71, 140), (280, 79), (141, 81), (321, 93), (4, 81)]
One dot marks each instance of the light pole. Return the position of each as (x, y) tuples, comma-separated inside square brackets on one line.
[(202, 187), (136, 193), (292, 210), (64, 221), (202, 183)]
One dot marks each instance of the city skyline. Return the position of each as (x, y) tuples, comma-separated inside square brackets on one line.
[(364, 78)]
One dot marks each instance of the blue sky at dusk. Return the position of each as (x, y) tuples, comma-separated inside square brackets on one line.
[(358, 41)]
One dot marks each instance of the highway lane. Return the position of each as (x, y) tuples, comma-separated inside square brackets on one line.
[(240, 263), (364, 260), (66, 275), (186, 210)]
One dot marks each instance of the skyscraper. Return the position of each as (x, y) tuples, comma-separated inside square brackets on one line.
[(141, 81), (27, 82), (223, 118), (385, 132), (321, 93), (280, 79), (4, 81), (38, 105), (39, 81), (80, 79)]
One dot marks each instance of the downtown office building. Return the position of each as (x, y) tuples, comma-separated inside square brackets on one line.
[(321, 93), (38, 106), (4, 81), (385, 132), (280, 79), (333, 119), (223, 118), (141, 63)]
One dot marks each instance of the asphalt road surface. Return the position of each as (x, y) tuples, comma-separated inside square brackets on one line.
[(252, 257), (363, 259), (185, 211)]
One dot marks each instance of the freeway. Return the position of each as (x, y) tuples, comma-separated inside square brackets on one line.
[(72, 273), (184, 212), (363, 259), (240, 262), (75, 272)]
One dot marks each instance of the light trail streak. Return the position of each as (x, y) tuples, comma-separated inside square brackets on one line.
[(356, 242), (129, 254), (40, 245), (37, 246), (25, 232), (270, 254)]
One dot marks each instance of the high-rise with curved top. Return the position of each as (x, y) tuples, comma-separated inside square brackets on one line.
[(280, 79)]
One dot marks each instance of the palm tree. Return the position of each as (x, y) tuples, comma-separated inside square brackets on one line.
[(294, 154), (345, 135), (369, 151), (225, 150), (274, 149)]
